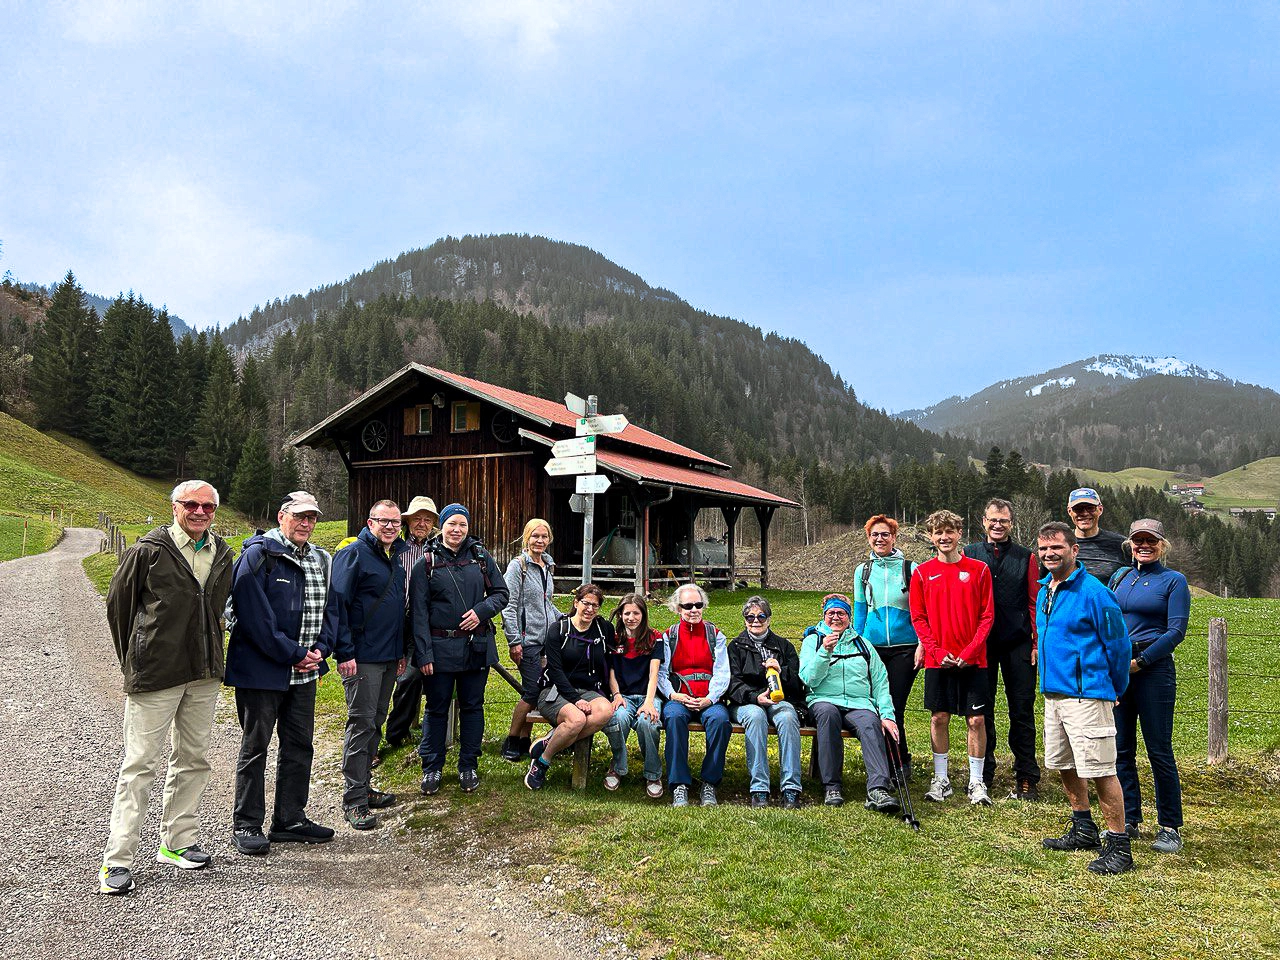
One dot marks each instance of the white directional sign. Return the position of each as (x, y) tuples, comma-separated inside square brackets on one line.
[(574, 447), (593, 483), (614, 423), (567, 466), (575, 404)]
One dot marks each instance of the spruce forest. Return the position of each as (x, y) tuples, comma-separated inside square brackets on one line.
[(545, 318)]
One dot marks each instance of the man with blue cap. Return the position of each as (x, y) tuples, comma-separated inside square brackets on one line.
[(1101, 551)]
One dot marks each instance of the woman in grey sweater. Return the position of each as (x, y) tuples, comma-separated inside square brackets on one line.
[(530, 611)]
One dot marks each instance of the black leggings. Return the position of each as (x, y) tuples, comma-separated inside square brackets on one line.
[(900, 663)]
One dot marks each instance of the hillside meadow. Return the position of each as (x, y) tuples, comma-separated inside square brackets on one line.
[(822, 883)]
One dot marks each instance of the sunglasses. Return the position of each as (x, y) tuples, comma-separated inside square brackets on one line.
[(1144, 542), (755, 618), (696, 605), (195, 506)]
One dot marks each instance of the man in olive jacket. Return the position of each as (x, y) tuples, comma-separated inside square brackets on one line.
[(165, 608)]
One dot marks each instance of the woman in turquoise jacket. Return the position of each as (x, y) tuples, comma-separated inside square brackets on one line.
[(882, 616)]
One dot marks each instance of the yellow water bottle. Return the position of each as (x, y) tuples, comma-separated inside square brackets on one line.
[(773, 684)]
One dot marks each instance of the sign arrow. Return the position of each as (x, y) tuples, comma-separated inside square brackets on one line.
[(576, 404), (567, 466), (613, 423), (593, 483), (575, 447)]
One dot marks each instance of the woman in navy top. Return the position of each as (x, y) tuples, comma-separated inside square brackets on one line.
[(1156, 603)]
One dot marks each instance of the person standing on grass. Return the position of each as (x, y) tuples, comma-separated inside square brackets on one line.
[(882, 617), (531, 609), (1156, 602), (284, 629), (574, 698), (634, 663), (164, 607), (692, 680), (1085, 657), (1101, 551), (1011, 646), (952, 610), (752, 654), (369, 647), (419, 521)]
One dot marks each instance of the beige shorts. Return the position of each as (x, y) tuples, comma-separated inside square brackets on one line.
[(1080, 735)]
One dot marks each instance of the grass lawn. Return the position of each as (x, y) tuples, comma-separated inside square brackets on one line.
[(41, 535), (1132, 477), (847, 883)]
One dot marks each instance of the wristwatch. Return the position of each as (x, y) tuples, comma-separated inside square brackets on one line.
[(1141, 661)]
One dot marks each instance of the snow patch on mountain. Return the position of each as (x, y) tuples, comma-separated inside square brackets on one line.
[(1056, 381), (1135, 368)]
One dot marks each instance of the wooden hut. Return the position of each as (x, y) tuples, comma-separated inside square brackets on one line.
[(425, 431)]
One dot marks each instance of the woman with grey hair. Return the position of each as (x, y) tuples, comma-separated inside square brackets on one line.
[(692, 680), (755, 702)]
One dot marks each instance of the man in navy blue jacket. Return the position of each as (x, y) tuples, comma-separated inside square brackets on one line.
[(283, 631), (1084, 668), (370, 649)]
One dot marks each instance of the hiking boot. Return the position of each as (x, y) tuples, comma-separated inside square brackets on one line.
[(115, 881), (469, 780), (833, 797), (1025, 789), (880, 800), (680, 795), (790, 799), (250, 841), (759, 799), (939, 789), (1116, 855), (188, 858), (430, 782), (1080, 835), (360, 818), (303, 831), (511, 750), (708, 795), (978, 795), (379, 800), (536, 777), (1168, 840)]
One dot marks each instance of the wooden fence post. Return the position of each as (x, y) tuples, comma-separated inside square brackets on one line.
[(1217, 742)]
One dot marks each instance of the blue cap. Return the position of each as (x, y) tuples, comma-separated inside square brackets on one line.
[(452, 510), (1083, 495)]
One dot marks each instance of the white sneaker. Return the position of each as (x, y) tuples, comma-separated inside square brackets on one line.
[(978, 794), (939, 789)]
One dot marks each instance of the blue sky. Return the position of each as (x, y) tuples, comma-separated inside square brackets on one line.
[(933, 196)]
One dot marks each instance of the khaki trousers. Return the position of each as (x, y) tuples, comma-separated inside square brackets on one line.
[(186, 713)]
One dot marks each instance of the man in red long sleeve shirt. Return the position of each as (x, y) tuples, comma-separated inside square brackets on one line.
[(952, 610)]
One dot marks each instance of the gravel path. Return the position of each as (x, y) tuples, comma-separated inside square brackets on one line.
[(363, 895)]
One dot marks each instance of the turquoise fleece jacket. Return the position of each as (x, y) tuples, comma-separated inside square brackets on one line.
[(849, 676), (882, 608)]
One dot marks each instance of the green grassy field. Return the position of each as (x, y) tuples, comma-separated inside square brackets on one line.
[(822, 883), (1255, 484), (1132, 477), (40, 535)]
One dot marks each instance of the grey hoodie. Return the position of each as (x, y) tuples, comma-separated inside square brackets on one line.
[(530, 610)]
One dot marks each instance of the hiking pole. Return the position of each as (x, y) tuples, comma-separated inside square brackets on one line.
[(900, 786)]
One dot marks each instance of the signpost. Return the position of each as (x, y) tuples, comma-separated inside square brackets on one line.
[(591, 424), (568, 466), (575, 447), (593, 483)]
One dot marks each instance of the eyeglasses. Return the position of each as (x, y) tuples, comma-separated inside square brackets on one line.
[(836, 613), (380, 521), (195, 506), (696, 605), (305, 517), (882, 536), (588, 605), (998, 521), (755, 618)]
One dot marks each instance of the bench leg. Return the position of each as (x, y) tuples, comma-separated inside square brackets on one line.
[(581, 762)]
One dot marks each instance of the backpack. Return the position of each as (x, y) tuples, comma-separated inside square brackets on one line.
[(672, 635), (1117, 578), (907, 567), (264, 559), (478, 556)]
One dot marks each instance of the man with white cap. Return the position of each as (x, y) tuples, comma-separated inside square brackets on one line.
[(1101, 551), (283, 630), (406, 701)]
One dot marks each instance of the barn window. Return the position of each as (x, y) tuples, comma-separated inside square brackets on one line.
[(424, 418), (466, 416)]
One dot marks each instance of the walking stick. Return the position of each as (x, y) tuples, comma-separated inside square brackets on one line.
[(900, 786)]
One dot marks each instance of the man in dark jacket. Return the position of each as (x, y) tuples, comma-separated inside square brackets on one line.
[(755, 652), (369, 647), (1011, 646), (284, 629), (165, 608), (1101, 551)]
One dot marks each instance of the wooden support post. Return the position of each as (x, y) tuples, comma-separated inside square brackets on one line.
[(764, 515), (692, 509), (581, 762), (1217, 741), (730, 515)]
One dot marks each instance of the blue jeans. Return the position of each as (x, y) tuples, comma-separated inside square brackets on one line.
[(1149, 701), (755, 722), (626, 718), (676, 718)]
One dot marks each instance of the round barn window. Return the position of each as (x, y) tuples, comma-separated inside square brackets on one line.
[(374, 436)]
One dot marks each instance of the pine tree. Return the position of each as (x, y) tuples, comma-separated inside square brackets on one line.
[(251, 487), (288, 476), (62, 359), (218, 436)]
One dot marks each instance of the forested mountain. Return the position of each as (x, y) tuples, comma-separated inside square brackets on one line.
[(102, 304), (1112, 412)]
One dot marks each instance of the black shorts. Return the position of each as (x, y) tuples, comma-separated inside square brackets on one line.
[(959, 690)]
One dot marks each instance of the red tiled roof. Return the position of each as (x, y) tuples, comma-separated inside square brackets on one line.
[(639, 468), (549, 411)]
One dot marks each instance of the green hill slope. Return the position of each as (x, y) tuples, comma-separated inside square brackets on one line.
[(1255, 484)]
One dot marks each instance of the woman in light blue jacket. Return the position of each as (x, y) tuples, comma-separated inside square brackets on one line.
[(529, 612)]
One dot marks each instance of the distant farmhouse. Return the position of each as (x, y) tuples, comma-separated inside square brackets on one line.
[(1268, 512), (1187, 489)]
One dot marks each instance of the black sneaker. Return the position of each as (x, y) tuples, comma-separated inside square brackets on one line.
[(303, 831), (431, 782), (1080, 835), (881, 800), (833, 797), (539, 747), (115, 881), (469, 780), (759, 799), (1116, 855), (511, 750), (360, 818), (250, 841), (536, 777), (790, 799), (1168, 840), (379, 799), (1025, 789), (1132, 831)]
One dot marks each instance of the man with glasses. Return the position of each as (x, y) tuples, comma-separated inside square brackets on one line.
[(370, 649), (165, 608), (406, 702), (1101, 551), (1011, 646), (283, 631)]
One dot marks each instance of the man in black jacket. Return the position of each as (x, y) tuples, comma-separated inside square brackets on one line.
[(1011, 646)]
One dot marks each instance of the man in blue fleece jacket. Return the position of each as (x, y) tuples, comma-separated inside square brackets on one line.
[(1084, 668)]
